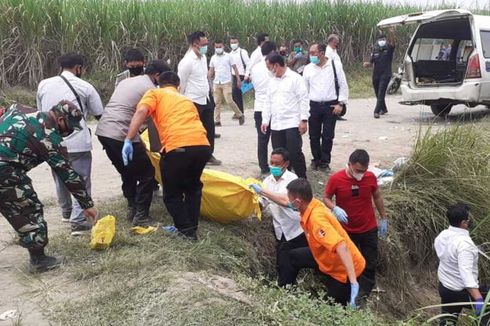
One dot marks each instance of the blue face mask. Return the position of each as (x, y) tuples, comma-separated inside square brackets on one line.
[(314, 59), (203, 49), (290, 205), (276, 171)]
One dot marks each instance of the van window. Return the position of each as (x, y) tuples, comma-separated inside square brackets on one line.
[(464, 50), (431, 49), (485, 42)]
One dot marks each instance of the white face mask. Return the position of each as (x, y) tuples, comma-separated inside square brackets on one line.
[(219, 50), (234, 46), (357, 176), (382, 43)]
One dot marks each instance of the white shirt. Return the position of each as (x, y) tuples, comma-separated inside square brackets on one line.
[(53, 90), (241, 59), (193, 74), (458, 259), (260, 80), (331, 53), (255, 58), (320, 82), (287, 102), (285, 220), (223, 65)]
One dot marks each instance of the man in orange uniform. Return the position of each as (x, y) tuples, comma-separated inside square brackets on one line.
[(329, 246), (185, 150)]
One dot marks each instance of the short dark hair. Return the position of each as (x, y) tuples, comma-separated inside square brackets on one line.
[(457, 213), (297, 41), (261, 37), (134, 55), (274, 58), (70, 60), (268, 47), (283, 152), (234, 38), (300, 188), (321, 47), (169, 78), (359, 156), (195, 36), (218, 42), (156, 67)]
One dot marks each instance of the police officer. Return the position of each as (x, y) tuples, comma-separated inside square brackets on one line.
[(28, 138), (381, 58)]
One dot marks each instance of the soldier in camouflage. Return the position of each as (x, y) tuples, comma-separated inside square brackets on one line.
[(28, 138)]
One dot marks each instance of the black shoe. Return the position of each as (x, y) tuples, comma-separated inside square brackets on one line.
[(142, 218), (214, 161), (314, 165), (324, 167), (217, 136), (40, 263), (131, 213), (217, 124), (235, 117), (241, 120), (80, 229), (376, 115), (383, 112)]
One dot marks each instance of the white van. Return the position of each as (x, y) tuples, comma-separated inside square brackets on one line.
[(447, 61)]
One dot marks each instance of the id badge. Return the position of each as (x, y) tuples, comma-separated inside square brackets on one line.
[(355, 191)]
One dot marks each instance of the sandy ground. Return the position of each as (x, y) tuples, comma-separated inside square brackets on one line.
[(385, 139)]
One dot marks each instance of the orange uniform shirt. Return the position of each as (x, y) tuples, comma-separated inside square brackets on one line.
[(324, 233), (175, 117)]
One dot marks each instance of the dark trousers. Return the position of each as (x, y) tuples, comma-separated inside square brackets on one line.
[(206, 114), (367, 243), (291, 140), (262, 143), (321, 127), (449, 296), (303, 258), (182, 188), (138, 178), (285, 276), (237, 93), (380, 84)]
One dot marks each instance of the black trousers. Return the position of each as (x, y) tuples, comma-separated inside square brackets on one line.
[(303, 258), (206, 114), (285, 276), (138, 178), (237, 93), (291, 140), (321, 127), (262, 143), (380, 84), (449, 296), (182, 188), (367, 243)]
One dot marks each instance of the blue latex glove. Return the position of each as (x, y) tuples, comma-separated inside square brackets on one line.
[(255, 187), (354, 292), (298, 55), (478, 306), (127, 152), (340, 214), (383, 228)]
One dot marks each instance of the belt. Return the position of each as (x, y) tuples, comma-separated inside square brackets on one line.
[(323, 102)]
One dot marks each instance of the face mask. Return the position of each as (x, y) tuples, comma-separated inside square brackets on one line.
[(314, 59), (234, 46), (203, 49), (297, 49), (291, 206), (358, 176), (271, 74), (276, 171), (136, 71), (218, 51), (382, 43)]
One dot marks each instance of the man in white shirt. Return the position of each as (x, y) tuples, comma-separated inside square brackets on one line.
[(332, 44), (286, 111), (458, 265), (325, 103), (220, 68), (242, 60), (260, 81), (68, 86), (256, 55), (286, 220), (194, 83)]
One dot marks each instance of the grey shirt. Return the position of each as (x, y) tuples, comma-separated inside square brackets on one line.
[(119, 111)]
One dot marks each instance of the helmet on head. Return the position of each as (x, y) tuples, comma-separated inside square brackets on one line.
[(70, 112)]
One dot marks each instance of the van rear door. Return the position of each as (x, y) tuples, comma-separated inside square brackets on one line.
[(422, 17)]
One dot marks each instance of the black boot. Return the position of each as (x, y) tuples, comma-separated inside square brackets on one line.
[(142, 218), (40, 263), (131, 212)]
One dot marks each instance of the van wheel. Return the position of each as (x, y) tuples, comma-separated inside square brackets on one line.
[(441, 109)]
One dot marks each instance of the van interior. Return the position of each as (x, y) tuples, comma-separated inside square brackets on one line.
[(440, 52)]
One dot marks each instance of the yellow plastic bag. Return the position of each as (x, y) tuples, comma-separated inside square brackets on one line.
[(103, 232), (143, 230), (225, 198)]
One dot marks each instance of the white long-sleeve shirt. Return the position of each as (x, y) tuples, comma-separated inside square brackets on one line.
[(53, 90), (286, 221), (260, 80), (255, 58), (242, 60), (320, 82), (287, 102), (193, 74), (331, 53), (458, 259)]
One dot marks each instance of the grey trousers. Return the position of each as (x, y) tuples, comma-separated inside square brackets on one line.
[(82, 164)]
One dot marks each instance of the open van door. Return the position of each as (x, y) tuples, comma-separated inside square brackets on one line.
[(422, 17)]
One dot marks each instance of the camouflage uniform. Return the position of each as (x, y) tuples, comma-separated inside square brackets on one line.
[(28, 138)]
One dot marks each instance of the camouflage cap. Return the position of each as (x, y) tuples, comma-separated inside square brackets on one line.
[(70, 112)]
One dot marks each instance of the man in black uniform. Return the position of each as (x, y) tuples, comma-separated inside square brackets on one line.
[(381, 58)]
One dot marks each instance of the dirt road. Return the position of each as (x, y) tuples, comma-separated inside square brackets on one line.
[(385, 139)]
